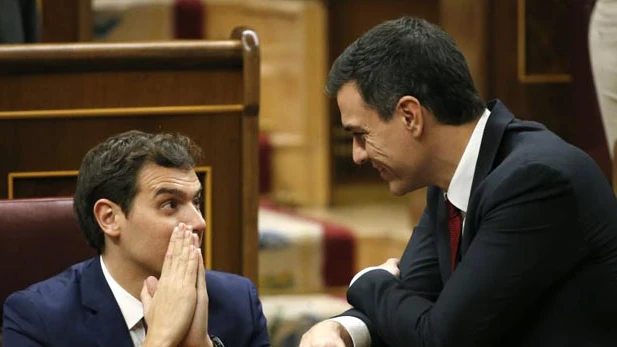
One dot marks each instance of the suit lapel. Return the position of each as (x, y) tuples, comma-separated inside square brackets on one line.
[(491, 139), (104, 319)]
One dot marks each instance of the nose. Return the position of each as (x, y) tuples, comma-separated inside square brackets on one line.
[(196, 219), (359, 152)]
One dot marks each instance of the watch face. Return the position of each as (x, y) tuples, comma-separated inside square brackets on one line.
[(216, 342)]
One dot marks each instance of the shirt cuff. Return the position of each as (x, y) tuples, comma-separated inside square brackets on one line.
[(362, 272), (360, 336)]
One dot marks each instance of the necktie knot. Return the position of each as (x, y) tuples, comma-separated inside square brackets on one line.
[(453, 211)]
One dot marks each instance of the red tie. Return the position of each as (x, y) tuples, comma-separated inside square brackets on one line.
[(455, 224)]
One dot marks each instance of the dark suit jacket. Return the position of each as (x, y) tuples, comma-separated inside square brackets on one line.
[(77, 308), (539, 254)]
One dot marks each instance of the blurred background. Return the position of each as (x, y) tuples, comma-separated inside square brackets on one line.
[(322, 218)]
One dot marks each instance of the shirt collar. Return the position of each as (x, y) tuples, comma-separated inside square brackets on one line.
[(460, 185), (131, 308)]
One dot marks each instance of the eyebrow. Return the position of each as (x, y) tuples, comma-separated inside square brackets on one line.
[(176, 192)]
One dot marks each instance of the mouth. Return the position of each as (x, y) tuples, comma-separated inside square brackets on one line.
[(382, 172)]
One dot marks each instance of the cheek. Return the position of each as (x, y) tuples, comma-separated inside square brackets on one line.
[(374, 148), (153, 230)]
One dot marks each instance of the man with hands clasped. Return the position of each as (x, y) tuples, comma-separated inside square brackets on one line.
[(137, 201)]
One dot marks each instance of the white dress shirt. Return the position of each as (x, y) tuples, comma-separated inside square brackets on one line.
[(458, 194), (131, 308)]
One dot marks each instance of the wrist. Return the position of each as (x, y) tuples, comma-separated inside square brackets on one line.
[(215, 341), (153, 340), (344, 334), (207, 342)]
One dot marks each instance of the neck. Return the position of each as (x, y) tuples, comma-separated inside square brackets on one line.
[(447, 149), (127, 278)]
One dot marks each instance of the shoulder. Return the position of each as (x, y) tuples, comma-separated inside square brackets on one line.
[(33, 311), (52, 292), (231, 291), (530, 153), (530, 143), (225, 282), (231, 294)]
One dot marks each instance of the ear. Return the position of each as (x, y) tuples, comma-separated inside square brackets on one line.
[(409, 111), (109, 216)]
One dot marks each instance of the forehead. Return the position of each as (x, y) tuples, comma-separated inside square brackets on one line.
[(153, 177)]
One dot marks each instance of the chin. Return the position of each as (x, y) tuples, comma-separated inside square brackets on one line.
[(400, 188), (397, 189)]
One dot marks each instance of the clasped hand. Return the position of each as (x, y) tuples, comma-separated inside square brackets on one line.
[(176, 304), (330, 333)]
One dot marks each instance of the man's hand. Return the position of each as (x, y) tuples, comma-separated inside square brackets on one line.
[(326, 334), (391, 265), (169, 303), (197, 335)]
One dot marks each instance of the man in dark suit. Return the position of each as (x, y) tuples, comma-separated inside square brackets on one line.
[(518, 242), (137, 202)]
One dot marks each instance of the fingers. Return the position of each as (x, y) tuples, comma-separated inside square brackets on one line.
[(192, 266), (392, 266), (170, 251), (145, 296), (195, 238), (152, 283), (185, 249), (201, 277), (181, 263), (177, 245), (173, 298), (393, 261), (200, 265)]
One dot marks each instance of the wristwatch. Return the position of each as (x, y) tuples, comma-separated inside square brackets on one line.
[(216, 342)]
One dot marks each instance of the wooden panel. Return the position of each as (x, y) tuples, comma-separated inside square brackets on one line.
[(49, 120), (467, 22), (543, 41), (545, 100), (66, 20), (34, 184), (146, 88), (547, 35)]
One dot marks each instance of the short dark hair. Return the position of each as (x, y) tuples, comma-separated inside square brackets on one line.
[(110, 171), (409, 56)]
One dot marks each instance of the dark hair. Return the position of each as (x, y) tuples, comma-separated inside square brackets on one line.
[(110, 171), (409, 56)]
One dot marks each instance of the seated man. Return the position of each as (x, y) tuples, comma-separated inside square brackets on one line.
[(137, 201)]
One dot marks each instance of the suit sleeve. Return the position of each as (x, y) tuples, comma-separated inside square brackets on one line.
[(22, 325), (259, 337), (419, 272), (419, 264), (525, 242)]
